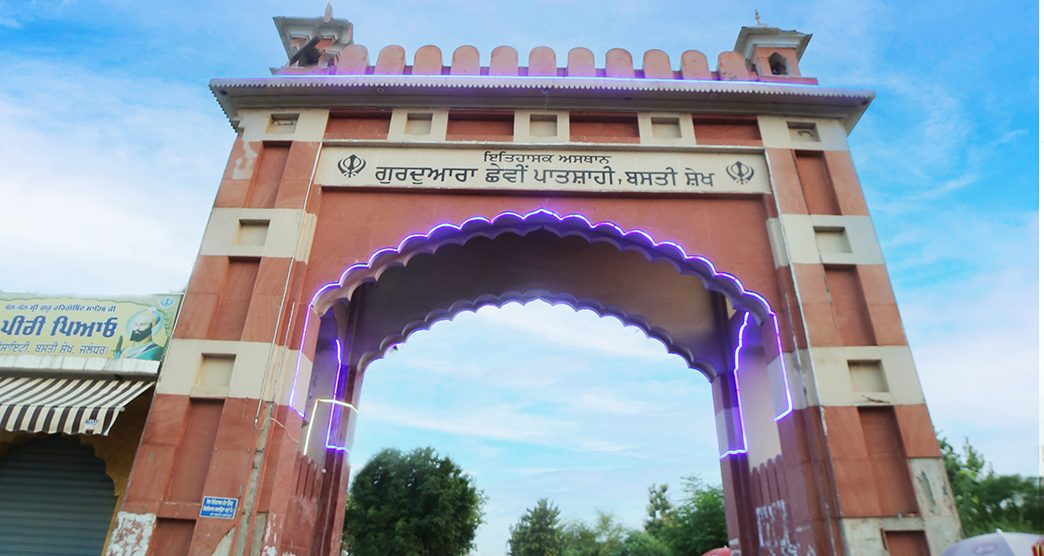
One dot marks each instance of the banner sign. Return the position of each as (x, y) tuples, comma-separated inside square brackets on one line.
[(544, 170), (110, 328)]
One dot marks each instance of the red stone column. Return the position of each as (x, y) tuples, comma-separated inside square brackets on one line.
[(221, 424), (735, 471)]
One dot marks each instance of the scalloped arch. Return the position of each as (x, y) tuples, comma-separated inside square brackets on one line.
[(541, 219), (578, 304), (752, 303)]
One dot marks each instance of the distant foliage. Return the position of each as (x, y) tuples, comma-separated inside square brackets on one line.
[(537, 533), (416, 504), (659, 509), (698, 523), (605, 537), (640, 543), (987, 501), (694, 526)]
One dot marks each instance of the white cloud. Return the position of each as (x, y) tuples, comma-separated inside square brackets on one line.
[(974, 333), (497, 423), (15, 14), (846, 41), (558, 324), (114, 172)]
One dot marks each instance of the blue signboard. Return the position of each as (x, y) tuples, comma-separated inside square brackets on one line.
[(216, 506)]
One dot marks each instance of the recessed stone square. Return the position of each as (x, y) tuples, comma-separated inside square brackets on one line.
[(867, 376), (543, 125), (418, 123), (252, 233)]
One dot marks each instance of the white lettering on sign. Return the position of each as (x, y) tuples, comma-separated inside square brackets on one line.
[(219, 507), (503, 170)]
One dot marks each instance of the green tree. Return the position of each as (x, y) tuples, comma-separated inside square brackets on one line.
[(607, 537), (641, 543), (692, 527), (538, 532), (602, 539), (411, 504), (698, 523), (987, 501), (580, 539), (658, 509)]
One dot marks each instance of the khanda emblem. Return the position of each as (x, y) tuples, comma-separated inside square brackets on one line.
[(350, 166), (739, 172)]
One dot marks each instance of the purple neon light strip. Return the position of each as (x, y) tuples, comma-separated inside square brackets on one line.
[(297, 366), (592, 227), (336, 388), (736, 389), (562, 219), (783, 369)]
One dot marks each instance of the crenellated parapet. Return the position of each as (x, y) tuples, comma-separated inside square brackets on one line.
[(542, 61), (323, 46)]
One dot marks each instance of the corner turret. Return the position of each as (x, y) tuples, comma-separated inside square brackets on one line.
[(313, 41), (771, 52)]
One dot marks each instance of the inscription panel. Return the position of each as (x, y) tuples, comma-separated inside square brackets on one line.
[(544, 170)]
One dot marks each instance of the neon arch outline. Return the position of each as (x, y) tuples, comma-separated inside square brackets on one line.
[(751, 303), (567, 225), (553, 298)]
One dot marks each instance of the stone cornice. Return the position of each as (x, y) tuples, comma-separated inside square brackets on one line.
[(541, 93)]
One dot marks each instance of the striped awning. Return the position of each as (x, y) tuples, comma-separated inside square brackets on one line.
[(68, 405)]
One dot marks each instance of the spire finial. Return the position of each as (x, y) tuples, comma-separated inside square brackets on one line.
[(328, 15), (757, 18)]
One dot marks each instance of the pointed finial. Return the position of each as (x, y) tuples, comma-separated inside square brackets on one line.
[(328, 15), (757, 17)]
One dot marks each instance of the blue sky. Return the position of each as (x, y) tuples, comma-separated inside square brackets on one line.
[(112, 147)]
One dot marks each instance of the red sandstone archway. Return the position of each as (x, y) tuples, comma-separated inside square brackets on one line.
[(844, 470)]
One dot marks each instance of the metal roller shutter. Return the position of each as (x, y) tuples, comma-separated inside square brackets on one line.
[(55, 499)]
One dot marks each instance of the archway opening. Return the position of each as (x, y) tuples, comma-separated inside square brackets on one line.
[(541, 400)]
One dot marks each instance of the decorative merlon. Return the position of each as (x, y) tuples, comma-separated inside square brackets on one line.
[(323, 46), (354, 59)]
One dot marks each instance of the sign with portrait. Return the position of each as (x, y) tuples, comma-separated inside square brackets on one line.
[(137, 328)]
